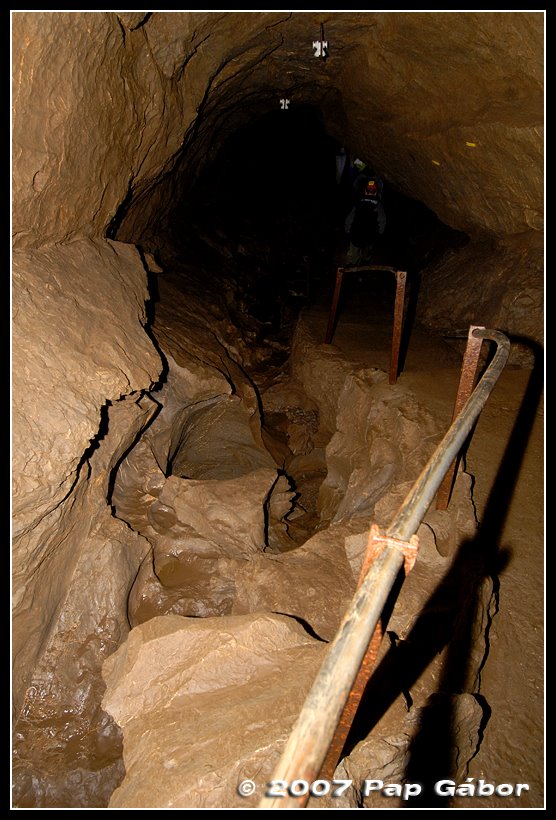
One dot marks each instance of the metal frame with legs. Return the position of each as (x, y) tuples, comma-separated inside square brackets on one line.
[(398, 310)]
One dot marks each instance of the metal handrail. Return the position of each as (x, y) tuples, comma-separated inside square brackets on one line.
[(307, 746)]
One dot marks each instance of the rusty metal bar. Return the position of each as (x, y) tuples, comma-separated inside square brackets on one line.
[(423, 491), (398, 310), (374, 547), (334, 306), (358, 688), (398, 322), (312, 735), (352, 705), (308, 744), (469, 367)]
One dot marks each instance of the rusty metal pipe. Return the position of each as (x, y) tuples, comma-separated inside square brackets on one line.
[(397, 326), (469, 367), (312, 735), (423, 491), (376, 543), (308, 744)]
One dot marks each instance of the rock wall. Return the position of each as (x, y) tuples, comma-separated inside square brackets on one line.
[(79, 311), (79, 348), (497, 284), (236, 672), (448, 106)]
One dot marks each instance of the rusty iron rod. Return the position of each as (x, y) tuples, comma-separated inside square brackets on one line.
[(312, 735), (469, 367), (337, 289), (423, 491), (310, 739), (358, 688), (397, 328), (375, 544), (334, 306), (352, 705)]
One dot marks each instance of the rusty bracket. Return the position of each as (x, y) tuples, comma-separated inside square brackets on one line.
[(378, 541), (375, 545), (401, 277), (469, 367)]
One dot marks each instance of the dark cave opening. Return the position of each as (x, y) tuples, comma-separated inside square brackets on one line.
[(269, 214)]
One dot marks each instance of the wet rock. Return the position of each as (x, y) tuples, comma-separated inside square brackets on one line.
[(201, 532), (390, 758), (458, 130), (187, 585), (381, 440), (288, 398), (281, 506), (247, 675), (142, 473), (315, 364), (133, 19), (228, 514), (516, 309), (313, 582), (216, 442), (67, 751), (401, 728), (380, 437), (78, 309)]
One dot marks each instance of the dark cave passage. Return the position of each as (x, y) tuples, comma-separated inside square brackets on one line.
[(261, 231), (257, 238), (269, 213)]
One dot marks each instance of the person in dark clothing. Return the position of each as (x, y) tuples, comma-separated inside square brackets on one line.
[(366, 221)]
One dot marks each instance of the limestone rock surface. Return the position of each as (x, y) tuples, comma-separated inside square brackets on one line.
[(232, 685)]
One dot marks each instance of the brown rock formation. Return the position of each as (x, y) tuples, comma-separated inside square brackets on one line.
[(254, 669), (115, 117)]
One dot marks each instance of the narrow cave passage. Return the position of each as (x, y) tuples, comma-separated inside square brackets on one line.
[(250, 463), (260, 234), (195, 471), (269, 211)]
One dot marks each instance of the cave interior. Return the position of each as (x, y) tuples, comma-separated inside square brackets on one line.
[(194, 470)]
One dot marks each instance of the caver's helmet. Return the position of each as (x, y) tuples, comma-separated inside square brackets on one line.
[(371, 189)]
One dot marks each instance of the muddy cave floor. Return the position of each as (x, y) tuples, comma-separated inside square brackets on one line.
[(506, 459)]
